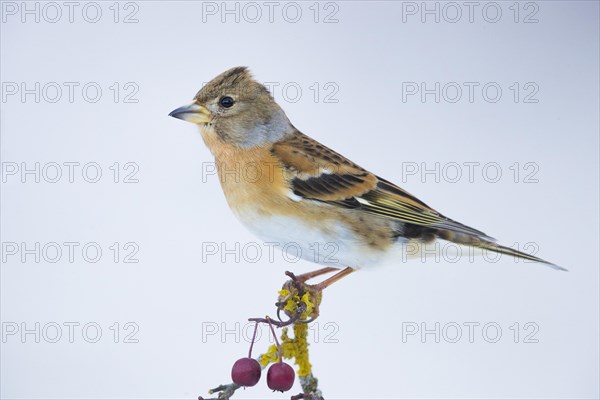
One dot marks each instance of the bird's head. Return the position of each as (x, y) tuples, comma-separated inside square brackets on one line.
[(237, 109)]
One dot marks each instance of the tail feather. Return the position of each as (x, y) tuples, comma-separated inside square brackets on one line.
[(485, 244), (516, 253)]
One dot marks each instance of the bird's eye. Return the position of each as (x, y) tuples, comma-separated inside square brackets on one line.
[(226, 102)]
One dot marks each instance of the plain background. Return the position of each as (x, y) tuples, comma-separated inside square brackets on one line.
[(174, 296)]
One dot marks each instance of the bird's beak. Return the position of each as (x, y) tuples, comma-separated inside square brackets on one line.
[(194, 113)]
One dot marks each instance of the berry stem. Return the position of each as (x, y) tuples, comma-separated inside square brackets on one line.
[(253, 337), (275, 337)]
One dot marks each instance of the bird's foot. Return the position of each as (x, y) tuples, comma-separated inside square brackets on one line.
[(300, 300)]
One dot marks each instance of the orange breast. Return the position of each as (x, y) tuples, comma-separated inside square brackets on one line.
[(250, 178)]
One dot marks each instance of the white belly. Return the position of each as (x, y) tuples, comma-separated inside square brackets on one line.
[(333, 245)]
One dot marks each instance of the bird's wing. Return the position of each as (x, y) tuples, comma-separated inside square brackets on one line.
[(318, 173)]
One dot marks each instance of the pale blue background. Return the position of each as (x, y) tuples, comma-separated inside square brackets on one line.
[(171, 293)]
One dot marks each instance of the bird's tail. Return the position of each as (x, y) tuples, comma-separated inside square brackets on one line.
[(484, 244), (497, 248)]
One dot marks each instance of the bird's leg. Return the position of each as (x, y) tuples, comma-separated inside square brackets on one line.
[(319, 287), (297, 285), (313, 274)]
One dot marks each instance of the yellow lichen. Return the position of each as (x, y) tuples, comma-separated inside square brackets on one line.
[(300, 349), (297, 347), (270, 356)]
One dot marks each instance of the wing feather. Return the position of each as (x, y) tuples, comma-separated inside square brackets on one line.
[(318, 173)]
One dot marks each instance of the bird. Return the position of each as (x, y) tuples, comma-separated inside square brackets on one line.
[(302, 192)]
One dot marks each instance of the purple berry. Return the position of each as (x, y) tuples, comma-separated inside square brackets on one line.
[(280, 377), (246, 372)]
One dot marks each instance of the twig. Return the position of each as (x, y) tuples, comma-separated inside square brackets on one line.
[(308, 382), (225, 391)]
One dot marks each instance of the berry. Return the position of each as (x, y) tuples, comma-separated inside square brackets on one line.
[(280, 377), (246, 372)]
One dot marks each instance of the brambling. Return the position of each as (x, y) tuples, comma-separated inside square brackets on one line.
[(303, 192)]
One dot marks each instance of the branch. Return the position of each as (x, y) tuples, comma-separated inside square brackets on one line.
[(301, 305)]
